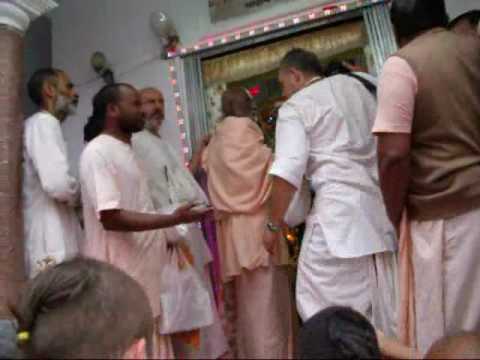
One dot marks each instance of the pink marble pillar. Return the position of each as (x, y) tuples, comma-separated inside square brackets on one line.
[(15, 17), (11, 125)]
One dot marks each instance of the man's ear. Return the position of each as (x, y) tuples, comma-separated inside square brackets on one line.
[(49, 89), (136, 351), (112, 110), (297, 75)]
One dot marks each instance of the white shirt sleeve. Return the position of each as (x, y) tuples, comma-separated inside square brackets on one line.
[(46, 148), (99, 181), (291, 146)]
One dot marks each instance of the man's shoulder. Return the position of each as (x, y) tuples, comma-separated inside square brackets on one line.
[(311, 95), (144, 143), (436, 42), (41, 118), (366, 76), (140, 135), (96, 148), (143, 137)]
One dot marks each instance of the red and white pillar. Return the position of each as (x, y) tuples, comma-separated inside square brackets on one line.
[(15, 17)]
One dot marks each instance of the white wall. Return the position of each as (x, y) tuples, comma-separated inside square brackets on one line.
[(121, 29), (457, 7)]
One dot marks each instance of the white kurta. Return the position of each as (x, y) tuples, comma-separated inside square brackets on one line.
[(168, 178), (50, 193), (324, 133), (170, 184)]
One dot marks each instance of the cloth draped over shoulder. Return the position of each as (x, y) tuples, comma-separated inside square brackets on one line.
[(169, 180), (237, 163)]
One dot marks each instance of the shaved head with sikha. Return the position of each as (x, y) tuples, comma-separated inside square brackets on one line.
[(237, 102)]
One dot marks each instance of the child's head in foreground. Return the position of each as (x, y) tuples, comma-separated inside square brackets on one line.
[(84, 308), (338, 333)]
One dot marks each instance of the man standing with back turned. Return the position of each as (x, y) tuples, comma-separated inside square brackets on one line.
[(324, 133), (428, 132)]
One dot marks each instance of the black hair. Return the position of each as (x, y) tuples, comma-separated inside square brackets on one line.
[(303, 60), (109, 94), (412, 17), (37, 81), (338, 333), (473, 17), (336, 68)]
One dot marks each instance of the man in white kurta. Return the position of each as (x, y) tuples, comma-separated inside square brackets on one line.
[(171, 184), (50, 192), (323, 133)]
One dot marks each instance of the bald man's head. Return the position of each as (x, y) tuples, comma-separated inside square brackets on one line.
[(467, 23), (465, 346), (153, 107), (237, 102)]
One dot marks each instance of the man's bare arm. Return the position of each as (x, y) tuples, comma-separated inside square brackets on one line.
[(282, 195), (394, 170), (196, 162), (130, 221)]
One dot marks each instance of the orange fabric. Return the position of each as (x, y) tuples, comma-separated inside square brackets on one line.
[(406, 311), (237, 167), (237, 163), (191, 338)]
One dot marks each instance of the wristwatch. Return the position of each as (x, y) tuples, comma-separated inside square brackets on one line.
[(273, 228)]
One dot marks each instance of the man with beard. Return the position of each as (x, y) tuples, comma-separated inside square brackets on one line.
[(169, 180), (121, 224), (50, 192), (171, 184)]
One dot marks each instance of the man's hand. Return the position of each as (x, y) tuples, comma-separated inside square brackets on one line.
[(270, 241), (186, 214), (271, 238), (197, 155)]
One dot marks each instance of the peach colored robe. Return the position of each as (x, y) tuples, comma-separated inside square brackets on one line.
[(237, 163), (406, 310), (112, 178), (259, 318)]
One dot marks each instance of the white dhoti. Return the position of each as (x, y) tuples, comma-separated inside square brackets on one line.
[(367, 284), (446, 277), (213, 343)]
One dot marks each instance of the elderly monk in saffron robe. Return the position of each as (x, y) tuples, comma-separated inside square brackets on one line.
[(237, 163)]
